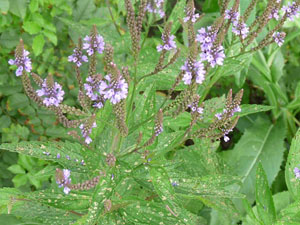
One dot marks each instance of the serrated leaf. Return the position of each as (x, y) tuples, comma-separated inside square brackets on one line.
[(293, 161), (263, 142), (38, 44), (264, 199), (70, 154)]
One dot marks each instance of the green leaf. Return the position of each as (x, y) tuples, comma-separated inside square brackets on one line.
[(177, 12), (17, 101), (18, 7), (84, 10), (51, 35), (31, 27), (263, 142), (253, 108), (211, 6), (293, 161), (5, 121), (49, 150), (4, 6), (19, 180), (34, 5), (38, 44), (290, 215), (16, 169), (264, 199)]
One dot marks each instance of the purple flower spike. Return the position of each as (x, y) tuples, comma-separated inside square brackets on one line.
[(167, 44), (279, 38), (214, 57), (191, 17), (206, 38), (274, 14), (77, 57), (291, 10), (22, 62), (52, 95), (240, 29), (231, 15), (93, 44), (92, 88), (156, 7), (197, 68), (85, 131), (113, 90)]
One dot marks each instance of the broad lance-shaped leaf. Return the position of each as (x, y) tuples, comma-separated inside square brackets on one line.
[(263, 142), (264, 200), (290, 215), (293, 161), (67, 154), (166, 193)]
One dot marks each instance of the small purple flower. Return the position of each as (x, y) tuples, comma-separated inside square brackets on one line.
[(291, 10), (85, 131), (214, 56), (174, 184), (240, 29), (191, 16), (168, 44), (113, 90), (158, 130), (46, 153), (219, 116), (156, 7), (274, 14), (206, 38), (297, 172), (279, 38), (94, 44), (226, 138), (52, 95), (68, 157), (82, 163), (22, 62), (58, 156), (65, 181), (231, 15), (92, 89), (77, 57), (197, 68)]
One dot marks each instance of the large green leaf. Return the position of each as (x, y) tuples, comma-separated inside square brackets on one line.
[(264, 200), (293, 161), (263, 142)]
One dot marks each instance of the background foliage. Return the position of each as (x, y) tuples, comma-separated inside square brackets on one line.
[(252, 175)]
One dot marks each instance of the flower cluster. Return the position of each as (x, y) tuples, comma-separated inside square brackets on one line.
[(168, 43), (274, 14), (53, 94), (63, 179), (77, 57), (22, 61), (86, 131), (297, 172), (196, 67), (279, 38), (94, 43), (106, 89), (291, 10), (191, 16), (114, 89), (213, 55), (238, 27), (92, 88), (156, 7), (195, 108)]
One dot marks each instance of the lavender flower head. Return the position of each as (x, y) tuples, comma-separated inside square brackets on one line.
[(240, 29), (93, 44), (53, 95), (168, 43), (92, 89), (232, 15), (297, 172), (206, 38), (113, 90), (197, 68), (291, 10), (156, 7), (191, 16), (77, 57), (86, 131), (22, 61), (274, 14), (214, 56), (63, 179), (278, 37)]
